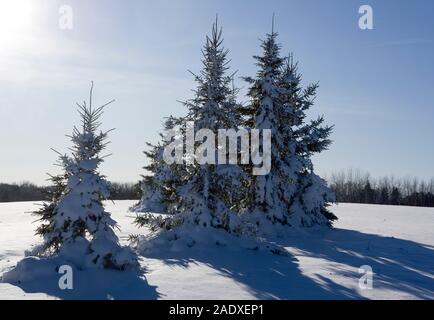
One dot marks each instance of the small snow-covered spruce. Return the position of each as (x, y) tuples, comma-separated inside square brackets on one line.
[(78, 228), (158, 185), (151, 199), (205, 194), (291, 194)]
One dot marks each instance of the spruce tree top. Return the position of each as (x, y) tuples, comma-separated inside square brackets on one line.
[(214, 102)]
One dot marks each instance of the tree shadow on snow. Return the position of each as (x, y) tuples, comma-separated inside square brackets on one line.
[(397, 264), (263, 274), (34, 275)]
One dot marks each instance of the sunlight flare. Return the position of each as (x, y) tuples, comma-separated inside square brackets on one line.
[(16, 19)]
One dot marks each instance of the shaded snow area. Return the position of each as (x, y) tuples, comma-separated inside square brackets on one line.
[(396, 242)]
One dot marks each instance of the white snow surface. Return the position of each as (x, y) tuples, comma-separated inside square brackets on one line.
[(397, 242)]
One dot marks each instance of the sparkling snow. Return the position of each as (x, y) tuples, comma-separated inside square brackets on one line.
[(397, 242)]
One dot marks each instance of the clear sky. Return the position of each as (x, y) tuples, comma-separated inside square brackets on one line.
[(376, 85)]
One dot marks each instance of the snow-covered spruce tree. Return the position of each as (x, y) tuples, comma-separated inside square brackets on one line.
[(76, 225), (290, 194), (266, 198), (309, 204), (158, 184), (151, 199), (207, 194)]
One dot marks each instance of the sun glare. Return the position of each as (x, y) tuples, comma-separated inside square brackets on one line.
[(16, 18)]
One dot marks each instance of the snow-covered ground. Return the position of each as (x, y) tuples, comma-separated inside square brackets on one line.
[(396, 242)]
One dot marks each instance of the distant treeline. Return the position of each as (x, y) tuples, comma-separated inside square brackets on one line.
[(126, 191), (21, 192), (356, 187), (351, 186), (30, 192)]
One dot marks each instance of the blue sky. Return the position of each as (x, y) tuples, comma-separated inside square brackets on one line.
[(376, 86)]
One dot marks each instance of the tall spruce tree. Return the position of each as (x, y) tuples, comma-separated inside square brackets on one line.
[(267, 196), (291, 193), (76, 224), (203, 194)]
